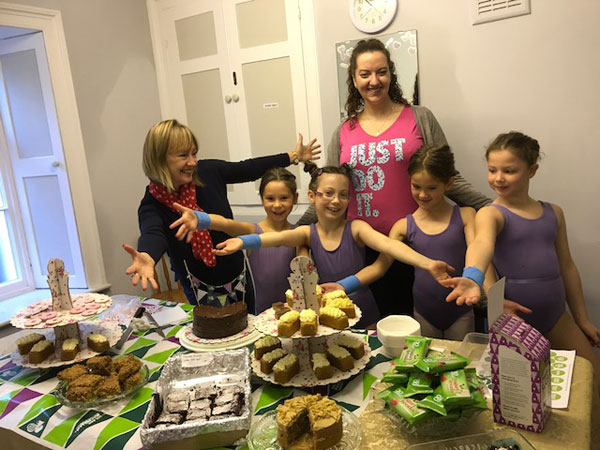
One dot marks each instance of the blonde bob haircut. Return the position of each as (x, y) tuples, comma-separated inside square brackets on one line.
[(164, 137)]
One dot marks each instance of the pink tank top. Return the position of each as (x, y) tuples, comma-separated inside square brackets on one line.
[(380, 192)]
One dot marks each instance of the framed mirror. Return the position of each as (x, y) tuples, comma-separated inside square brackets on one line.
[(402, 46)]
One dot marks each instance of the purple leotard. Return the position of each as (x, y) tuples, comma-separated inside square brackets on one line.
[(270, 267), (347, 259), (526, 255), (449, 246)]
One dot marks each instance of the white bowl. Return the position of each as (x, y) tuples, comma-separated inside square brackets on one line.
[(392, 332)]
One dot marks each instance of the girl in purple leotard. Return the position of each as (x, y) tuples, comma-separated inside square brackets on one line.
[(338, 245), (527, 240), (269, 267)]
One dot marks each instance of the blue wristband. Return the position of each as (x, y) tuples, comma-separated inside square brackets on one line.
[(473, 273), (350, 284), (251, 241), (203, 220)]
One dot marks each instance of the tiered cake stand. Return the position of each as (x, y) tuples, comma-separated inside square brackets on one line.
[(59, 319), (303, 281)]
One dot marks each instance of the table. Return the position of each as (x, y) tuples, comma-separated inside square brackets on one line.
[(31, 417)]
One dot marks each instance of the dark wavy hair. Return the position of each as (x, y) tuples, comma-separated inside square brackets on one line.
[(521, 145), (354, 101), (315, 172)]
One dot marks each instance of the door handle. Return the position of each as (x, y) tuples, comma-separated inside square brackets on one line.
[(228, 99), (236, 98), (56, 164)]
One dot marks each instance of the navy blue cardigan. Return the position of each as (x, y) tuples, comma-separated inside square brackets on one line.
[(155, 218)]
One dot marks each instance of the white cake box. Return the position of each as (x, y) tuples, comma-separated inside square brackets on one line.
[(520, 374)]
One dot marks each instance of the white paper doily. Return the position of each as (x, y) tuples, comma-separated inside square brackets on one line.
[(267, 323), (215, 346), (110, 330), (306, 377), (23, 319)]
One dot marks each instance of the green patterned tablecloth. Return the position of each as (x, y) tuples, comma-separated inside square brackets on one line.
[(28, 407)]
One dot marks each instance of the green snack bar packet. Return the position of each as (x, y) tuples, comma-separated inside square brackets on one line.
[(415, 348), (391, 376), (434, 402), (442, 363), (478, 399), (396, 389), (407, 409), (473, 379), (455, 388), (419, 383)]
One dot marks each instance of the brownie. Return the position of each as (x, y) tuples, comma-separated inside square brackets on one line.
[(168, 419), (132, 381)]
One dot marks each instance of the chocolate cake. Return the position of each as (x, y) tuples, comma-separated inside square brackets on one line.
[(213, 322)]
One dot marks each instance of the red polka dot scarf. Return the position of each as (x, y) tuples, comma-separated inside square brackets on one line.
[(201, 242)]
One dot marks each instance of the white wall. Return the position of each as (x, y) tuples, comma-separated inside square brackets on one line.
[(537, 73), (110, 53)]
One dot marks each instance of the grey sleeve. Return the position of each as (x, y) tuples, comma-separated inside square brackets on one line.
[(463, 193), (332, 158)]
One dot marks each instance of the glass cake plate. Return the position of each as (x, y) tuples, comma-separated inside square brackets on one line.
[(263, 432), (498, 438), (61, 391)]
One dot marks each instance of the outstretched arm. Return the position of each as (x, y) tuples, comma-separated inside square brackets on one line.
[(141, 268), (188, 223), (290, 238), (572, 281), (488, 223), (399, 250)]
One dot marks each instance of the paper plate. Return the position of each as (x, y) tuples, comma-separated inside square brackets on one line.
[(184, 333)]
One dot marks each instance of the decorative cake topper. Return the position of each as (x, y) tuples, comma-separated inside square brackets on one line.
[(58, 281), (303, 281)]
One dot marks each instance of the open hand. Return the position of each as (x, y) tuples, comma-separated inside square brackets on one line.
[(439, 270), (187, 223), (591, 331), (330, 287), (308, 152), (512, 308), (141, 268), (228, 247), (465, 290)]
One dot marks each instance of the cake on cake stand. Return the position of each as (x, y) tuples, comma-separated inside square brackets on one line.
[(62, 317), (303, 282)]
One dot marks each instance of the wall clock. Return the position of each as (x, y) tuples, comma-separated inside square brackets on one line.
[(372, 16)]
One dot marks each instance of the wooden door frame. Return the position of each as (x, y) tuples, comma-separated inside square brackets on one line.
[(50, 23)]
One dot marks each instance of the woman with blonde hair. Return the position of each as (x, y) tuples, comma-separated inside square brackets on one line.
[(177, 176)]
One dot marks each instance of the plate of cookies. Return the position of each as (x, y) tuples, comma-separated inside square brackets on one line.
[(302, 363), (39, 349), (307, 323), (101, 380), (41, 314)]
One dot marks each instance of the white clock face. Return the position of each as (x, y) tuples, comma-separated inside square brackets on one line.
[(372, 16)]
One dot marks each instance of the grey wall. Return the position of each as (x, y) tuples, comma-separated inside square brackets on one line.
[(110, 53), (537, 73)]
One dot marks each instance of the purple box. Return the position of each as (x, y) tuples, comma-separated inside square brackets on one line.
[(520, 374)]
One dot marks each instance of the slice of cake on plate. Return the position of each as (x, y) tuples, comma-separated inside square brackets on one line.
[(25, 343), (265, 345), (308, 322), (286, 368), (355, 346), (270, 359), (340, 358), (321, 366), (333, 317)]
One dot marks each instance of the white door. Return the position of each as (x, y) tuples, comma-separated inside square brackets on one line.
[(233, 71), (35, 150)]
